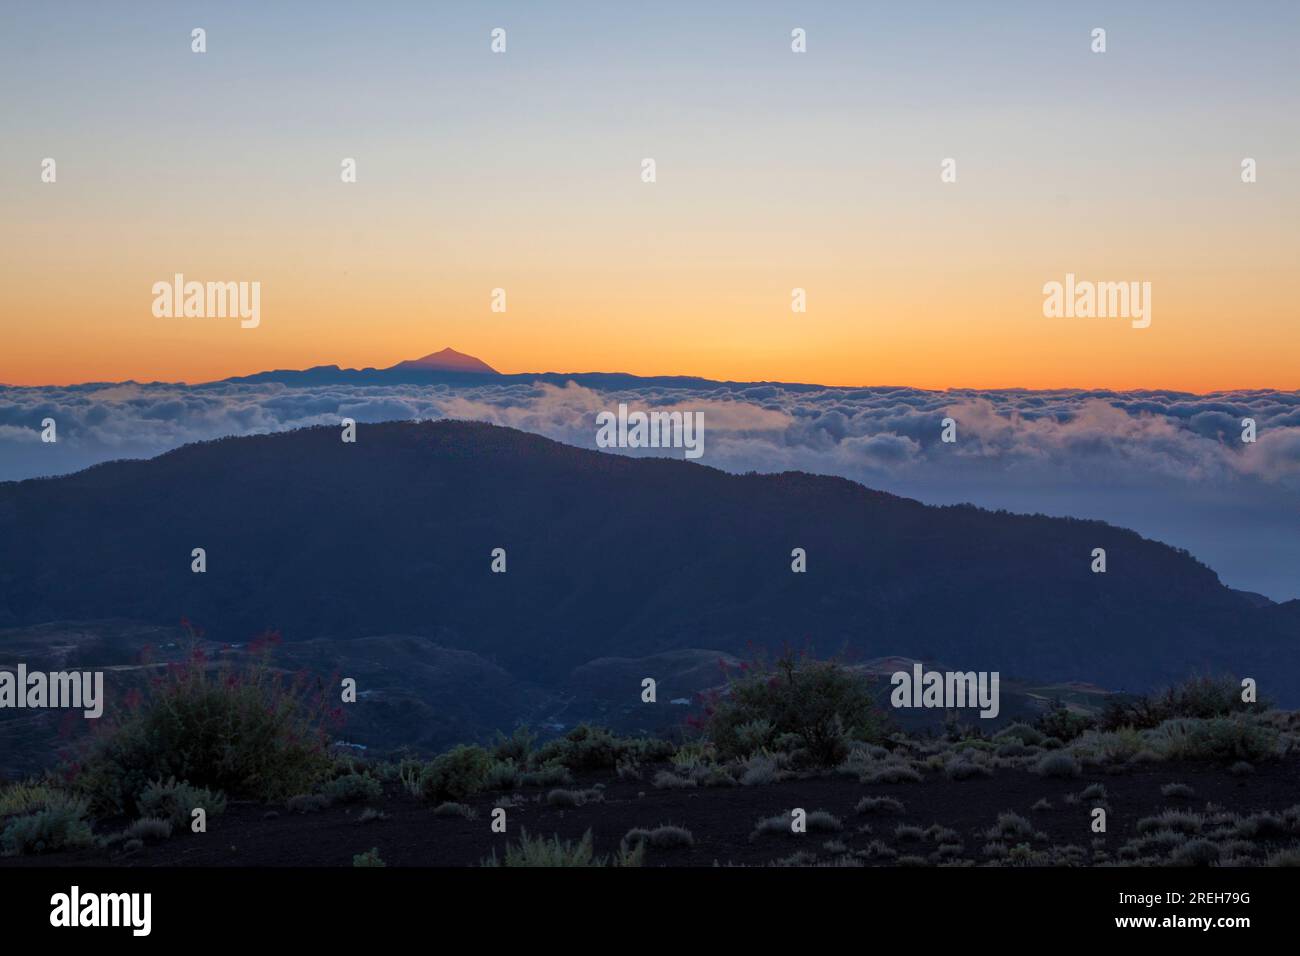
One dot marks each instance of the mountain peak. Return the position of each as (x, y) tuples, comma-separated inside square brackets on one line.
[(448, 360)]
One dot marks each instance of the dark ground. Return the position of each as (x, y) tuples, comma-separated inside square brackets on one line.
[(720, 819)]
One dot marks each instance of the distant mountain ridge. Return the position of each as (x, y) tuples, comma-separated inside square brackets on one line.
[(608, 556), (449, 367), (448, 360)]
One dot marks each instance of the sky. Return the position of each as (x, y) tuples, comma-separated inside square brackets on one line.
[(775, 170)]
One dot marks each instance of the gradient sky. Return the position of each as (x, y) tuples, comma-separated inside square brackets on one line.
[(775, 170)]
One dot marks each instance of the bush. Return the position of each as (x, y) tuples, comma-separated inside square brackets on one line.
[(1199, 699), (60, 825), (1196, 853), (879, 805), (543, 852), (459, 773), (26, 797), (352, 788), (1057, 764), (894, 773), (516, 748), (595, 748), (1062, 723), (176, 802), (149, 830), (1219, 738), (663, 837), (244, 730), (502, 775), (369, 858), (815, 708), (1027, 735)]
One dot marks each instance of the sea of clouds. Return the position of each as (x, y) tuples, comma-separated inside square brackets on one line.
[(1168, 464)]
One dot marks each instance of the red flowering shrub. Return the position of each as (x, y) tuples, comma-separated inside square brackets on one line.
[(241, 728)]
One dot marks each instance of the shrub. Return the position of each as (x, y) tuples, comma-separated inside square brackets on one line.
[(543, 852), (573, 798), (1217, 738), (59, 825), (1011, 826), (595, 748), (176, 802), (1179, 821), (244, 730), (460, 772), (760, 769), (667, 780), (879, 805), (962, 769), (1177, 791), (1027, 735), (1201, 698), (502, 775), (1057, 764), (516, 748), (812, 708), (1062, 723), (369, 858), (26, 796), (306, 803), (453, 809), (352, 788), (662, 837), (894, 773), (150, 830), (1196, 853), (370, 814), (550, 775)]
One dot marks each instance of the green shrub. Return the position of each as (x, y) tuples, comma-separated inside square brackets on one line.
[(1057, 764), (1201, 698), (59, 825), (586, 748), (543, 852), (369, 858), (516, 748), (502, 775), (550, 775), (26, 796), (814, 709), (1217, 738), (1062, 723), (352, 788), (244, 730), (1027, 735), (176, 802), (459, 773)]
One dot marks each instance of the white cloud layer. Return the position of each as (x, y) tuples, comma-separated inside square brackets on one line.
[(1170, 464)]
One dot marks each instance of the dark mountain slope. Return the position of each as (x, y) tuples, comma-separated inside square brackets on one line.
[(608, 556)]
